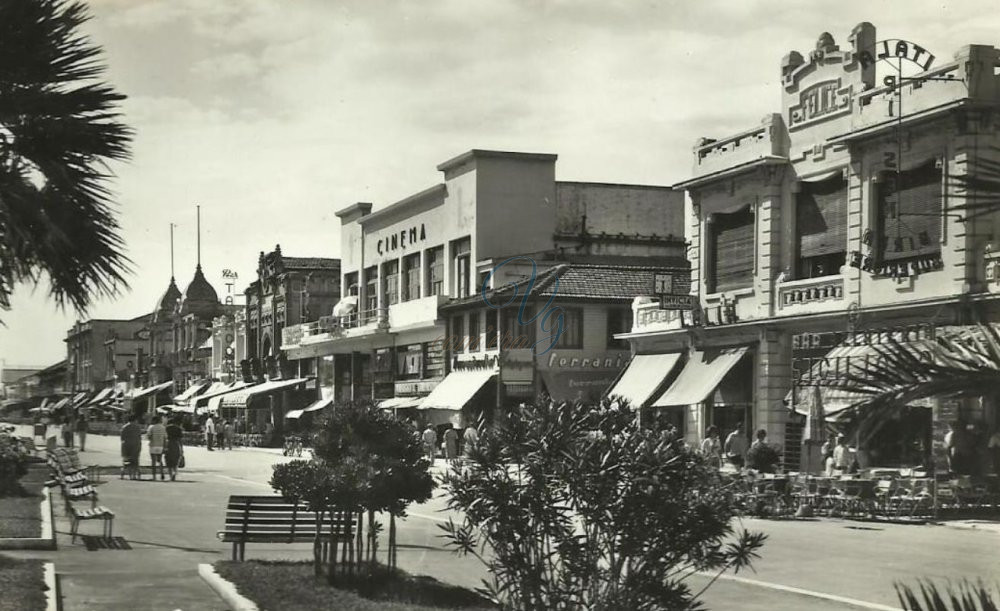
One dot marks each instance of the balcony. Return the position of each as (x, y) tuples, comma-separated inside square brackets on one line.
[(329, 328), (811, 295), (648, 318)]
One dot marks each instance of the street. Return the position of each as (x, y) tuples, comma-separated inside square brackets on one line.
[(172, 526)]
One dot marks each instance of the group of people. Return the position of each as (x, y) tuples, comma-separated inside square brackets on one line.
[(166, 447), (67, 427), (450, 442), (221, 434), (739, 452)]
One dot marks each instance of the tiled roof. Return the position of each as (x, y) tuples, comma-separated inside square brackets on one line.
[(309, 263), (584, 282)]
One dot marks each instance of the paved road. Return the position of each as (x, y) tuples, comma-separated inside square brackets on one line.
[(171, 527)]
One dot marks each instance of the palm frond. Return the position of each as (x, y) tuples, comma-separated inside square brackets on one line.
[(59, 122)]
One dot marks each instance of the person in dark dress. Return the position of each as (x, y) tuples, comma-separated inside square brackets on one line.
[(131, 437), (175, 447)]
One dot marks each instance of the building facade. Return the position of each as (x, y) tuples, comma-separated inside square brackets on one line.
[(839, 218), (402, 263), (99, 351)]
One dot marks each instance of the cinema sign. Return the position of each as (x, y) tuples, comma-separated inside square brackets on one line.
[(401, 239)]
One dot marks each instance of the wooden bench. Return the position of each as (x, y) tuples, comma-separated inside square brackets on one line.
[(274, 519), (99, 512)]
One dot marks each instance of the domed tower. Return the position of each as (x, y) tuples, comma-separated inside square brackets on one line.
[(200, 297)]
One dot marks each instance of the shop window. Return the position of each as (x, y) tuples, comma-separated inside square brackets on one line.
[(435, 271), (462, 256), (619, 321), (821, 227), (474, 332), (458, 340), (572, 328), (371, 290), (409, 362), (731, 249), (492, 329), (411, 277), (390, 275), (909, 209)]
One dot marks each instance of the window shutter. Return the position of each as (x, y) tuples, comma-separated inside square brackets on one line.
[(910, 215), (733, 248), (821, 217)]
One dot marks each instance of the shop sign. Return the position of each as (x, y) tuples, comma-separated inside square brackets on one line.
[(291, 336), (422, 387), (465, 362), (517, 366), (897, 49), (602, 360), (578, 384), (895, 269), (401, 239), (667, 288), (820, 100)]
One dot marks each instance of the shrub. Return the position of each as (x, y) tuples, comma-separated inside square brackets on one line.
[(13, 465), (965, 596), (586, 510)]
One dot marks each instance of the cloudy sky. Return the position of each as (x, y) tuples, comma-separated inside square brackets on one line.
[(272, 115)]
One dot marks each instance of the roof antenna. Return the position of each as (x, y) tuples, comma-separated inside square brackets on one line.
[(198, 208), (171, 252)]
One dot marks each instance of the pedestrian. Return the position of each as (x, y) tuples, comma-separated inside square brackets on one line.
[(451, 444), (469, 440), (841, 456), (761, 456), (220, 435), (209, 432), (54, 434), (711, 448), (827, 453), (736, 447), (175, 447), (430, 442), (227, 434), (69, 430), (82, 424), (131, 437), (157, 436)]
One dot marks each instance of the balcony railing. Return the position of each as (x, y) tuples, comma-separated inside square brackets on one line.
[(329, 327), (810, 290), (649, 317)]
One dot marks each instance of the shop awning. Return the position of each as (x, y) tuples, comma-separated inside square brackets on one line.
[(701, 374), (101, 396), (642, 376), (191, 391), (294, 414), (59, 404), (400, 402), (152, 390), (79, 397), (215, 391), (242, 397), (457, 389), (315, 406)]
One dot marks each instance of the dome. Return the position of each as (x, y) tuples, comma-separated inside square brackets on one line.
[(199, 296), (165, 305)]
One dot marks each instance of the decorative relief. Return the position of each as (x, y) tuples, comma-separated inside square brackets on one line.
[(820, 101)]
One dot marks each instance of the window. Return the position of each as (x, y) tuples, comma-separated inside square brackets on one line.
[(458, 341), (492, 329), (482, 279), (619, 321), (572, 328), (435, 271), (371, 289), (513, 334), (351, 283), (909, 210), (411, 277), (390, 275), (731, 247), (461, 251), (474, 332), (821, 227)]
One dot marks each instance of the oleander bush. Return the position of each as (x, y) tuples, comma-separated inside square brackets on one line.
[(13, 465), (963, 596)]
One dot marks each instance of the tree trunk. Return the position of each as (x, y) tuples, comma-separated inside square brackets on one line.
[(331, 575), (391, 558), (318, 546), (360, 540)]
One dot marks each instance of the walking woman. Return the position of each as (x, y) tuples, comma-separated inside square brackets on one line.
[(175, 447)]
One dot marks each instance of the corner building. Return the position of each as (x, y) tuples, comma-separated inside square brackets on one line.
[(829, 225), (402, 263)]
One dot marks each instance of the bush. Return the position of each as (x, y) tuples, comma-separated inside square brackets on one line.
[(13, 465), (964, 596), (586, 510)]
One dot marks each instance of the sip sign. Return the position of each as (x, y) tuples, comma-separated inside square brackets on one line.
[(663, 287)]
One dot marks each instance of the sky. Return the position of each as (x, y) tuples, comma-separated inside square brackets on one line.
[(272, 115)]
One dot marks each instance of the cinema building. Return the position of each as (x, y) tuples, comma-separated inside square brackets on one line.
[(817, 233), (401, 264)]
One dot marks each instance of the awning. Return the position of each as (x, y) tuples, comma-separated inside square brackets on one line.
[(400, 402), (701, 374), (152, 390), (215, 391), (191, 391), (182, 409), (243, 397), (642, 376), (59, 405), (345, 306), (101, 396), (79, 398), (457, 389), (294, 414), (318, 405)]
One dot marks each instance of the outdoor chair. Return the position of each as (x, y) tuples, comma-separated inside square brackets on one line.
[(918, 497)]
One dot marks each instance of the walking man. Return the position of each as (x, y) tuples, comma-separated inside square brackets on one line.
[(209, 432), (430, 442), (736, 447), (82, 423), (157, 436)]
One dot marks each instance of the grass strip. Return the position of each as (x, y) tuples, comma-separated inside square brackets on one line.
[(22, 585)]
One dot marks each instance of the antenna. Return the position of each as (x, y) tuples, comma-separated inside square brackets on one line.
[(198, 208), (171, 251)]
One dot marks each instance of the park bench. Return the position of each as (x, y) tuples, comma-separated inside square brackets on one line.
[(274, 519), (98, 512)]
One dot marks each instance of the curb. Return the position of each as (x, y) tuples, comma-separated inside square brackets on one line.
[(225, 589), (992, 527), (47, 540), (53, 598)]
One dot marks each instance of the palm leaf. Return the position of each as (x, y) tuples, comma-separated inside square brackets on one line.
[(59, 128)]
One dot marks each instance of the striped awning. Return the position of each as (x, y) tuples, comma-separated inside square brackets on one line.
[(400, 402), (642, 376), (242, 397), (457, 389), (151, 390), (701, 375), (189, 392)]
